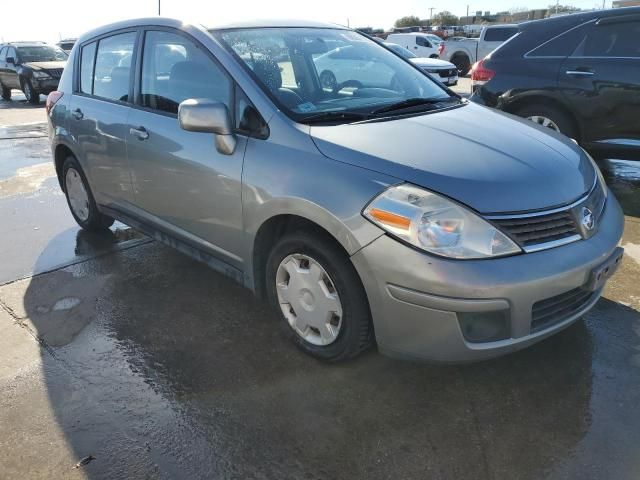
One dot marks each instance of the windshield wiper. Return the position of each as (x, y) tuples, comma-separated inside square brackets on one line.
[(409, 102), (334, 116)]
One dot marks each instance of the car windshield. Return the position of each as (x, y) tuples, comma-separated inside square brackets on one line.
[(41, 53), (403, 52), (323, 73)]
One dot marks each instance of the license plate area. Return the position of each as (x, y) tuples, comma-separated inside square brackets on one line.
[(604, 271)]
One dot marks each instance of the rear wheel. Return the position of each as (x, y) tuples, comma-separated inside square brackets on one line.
[(80, 199), (549, 117), (29, 92), (319, 297), (6, 93)]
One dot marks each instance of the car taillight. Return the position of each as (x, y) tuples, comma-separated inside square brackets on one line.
[(52, 99), (441, 49), (481, 74)]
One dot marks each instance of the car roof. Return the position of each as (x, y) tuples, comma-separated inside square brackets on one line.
[(24, 44), (291, 23), (182, 25)]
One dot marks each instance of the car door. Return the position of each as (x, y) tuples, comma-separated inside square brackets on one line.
[(601, 81), (182, 184), (423, 47), (99, 107), (11, 79), (3, 66)]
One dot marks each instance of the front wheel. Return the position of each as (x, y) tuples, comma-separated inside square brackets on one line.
[(319, 297), (29, 92), (80, 199)]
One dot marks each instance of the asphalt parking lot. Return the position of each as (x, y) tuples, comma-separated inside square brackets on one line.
[(120, 351)]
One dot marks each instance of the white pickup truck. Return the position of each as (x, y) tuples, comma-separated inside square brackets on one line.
[(465, 52)]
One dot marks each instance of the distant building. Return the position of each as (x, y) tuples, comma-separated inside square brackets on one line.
[(625, 3)]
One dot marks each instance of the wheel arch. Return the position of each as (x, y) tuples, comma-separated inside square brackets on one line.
[(276, 226), (60, 154), (523, 101)]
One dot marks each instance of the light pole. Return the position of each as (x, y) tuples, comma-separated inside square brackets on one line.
[(159, 7)]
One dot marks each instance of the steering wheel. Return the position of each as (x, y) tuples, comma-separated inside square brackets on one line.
[(346, 84)]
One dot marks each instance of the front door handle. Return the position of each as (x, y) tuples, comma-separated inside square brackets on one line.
[(579, 73), (77, 114), (139, 132)]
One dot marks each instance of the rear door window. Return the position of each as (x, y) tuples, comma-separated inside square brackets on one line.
[(499, 34), (112, 73), (562, 45), (174, 69), (87, 61), (3, 54), (611, 40)]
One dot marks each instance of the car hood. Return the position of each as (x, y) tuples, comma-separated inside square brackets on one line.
[(45, 65), (431, 63), (488, 160)]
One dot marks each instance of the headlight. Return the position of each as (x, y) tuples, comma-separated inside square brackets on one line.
[(436, 224), (37, 74)]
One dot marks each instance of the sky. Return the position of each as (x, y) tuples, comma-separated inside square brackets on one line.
[(49, 20)]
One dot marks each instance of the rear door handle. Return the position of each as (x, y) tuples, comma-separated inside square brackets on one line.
[(579, 73), (77, 114), (139, 132)]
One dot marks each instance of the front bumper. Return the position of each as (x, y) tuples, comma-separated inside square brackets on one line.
[(46, 85), (417, 299)]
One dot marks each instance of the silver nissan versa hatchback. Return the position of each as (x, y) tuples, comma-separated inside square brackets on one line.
[(382, 210)]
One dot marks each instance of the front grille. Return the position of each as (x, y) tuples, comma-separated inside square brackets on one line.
[(447, 73), (55, 72), (528, 231), (551, 311), (537, 231)]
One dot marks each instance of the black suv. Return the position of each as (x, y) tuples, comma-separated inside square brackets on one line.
[(578, 74), (33, 67)]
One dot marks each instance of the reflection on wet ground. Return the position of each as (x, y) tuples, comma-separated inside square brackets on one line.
[(157, 364), (623, 177)]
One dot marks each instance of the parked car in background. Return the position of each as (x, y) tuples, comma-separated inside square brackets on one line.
[(33, 67), (418, 43), (66, 44), (401, 214), (577, 74), (442, 71), (464, 53)]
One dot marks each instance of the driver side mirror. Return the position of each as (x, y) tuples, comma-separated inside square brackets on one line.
[(203, 115), (11, 60)]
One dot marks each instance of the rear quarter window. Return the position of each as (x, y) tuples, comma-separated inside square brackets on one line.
[(87, 59)]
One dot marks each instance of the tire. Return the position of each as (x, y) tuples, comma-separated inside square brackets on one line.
[(561, 122), (462, 63), (355, 333), (91, 219), (6, 93), (328, 80), (30, 93)]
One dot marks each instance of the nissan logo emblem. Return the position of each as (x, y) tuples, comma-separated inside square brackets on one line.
[(587, 220)]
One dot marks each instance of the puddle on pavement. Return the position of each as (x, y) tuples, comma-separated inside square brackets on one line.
[(623, 178), (27, 180)]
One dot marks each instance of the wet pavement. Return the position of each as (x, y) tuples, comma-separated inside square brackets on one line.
[(121, 349)]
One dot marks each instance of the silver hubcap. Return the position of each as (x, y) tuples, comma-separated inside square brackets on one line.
[(77, 194), (544, 122), (308, 299)]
